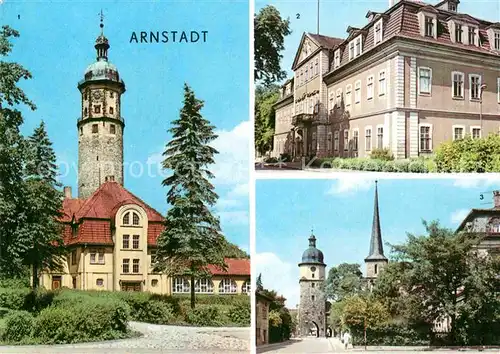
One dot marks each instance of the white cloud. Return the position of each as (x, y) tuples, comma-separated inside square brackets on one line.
[(234, 217), (278, 275), (351, 184), (459, 215), (231, 163), (476, 182)]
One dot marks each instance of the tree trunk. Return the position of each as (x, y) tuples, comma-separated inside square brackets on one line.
[(35, 277), (192, 292)]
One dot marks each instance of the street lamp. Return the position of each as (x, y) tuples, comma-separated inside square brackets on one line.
[(481, 89)]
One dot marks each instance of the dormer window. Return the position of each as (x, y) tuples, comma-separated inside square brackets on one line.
[(358, 48), (378, 32), (452, 6), (429, 26), (472, 36), (458, 33), (351, 50), (336, 61), (496, 44)]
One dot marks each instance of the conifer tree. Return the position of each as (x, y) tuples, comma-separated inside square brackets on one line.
[(13, 240), (44, 206), (192, 238)]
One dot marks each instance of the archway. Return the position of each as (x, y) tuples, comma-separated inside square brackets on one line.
[(314, 329)]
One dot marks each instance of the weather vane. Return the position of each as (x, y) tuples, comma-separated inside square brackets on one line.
[(102, 20)]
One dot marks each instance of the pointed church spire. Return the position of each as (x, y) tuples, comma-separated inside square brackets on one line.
[(376, 246)]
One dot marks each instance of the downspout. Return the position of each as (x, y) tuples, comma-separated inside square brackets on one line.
[(83, 266)]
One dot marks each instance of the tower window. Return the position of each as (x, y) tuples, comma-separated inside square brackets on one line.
[(112, 129), (312, 275), (97, 109), (111, 110), (104, 110), (376, 268), (312, 285), (85, 112), (95, 128), (312, 297), (81, 131), (111, 94), (86, 95)]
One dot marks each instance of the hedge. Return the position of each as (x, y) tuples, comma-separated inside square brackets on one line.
[(417, 165), (390, 335)]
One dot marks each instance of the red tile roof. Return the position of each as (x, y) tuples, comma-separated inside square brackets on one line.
[(234, 267)]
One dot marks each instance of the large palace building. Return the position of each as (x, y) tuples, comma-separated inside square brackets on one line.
[(411, 78), (112, 233)]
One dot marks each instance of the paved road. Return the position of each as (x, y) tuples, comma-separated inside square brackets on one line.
[(157, 338), (305, 345)]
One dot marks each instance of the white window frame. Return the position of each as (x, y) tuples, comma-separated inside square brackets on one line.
[(228, 286), (453, 127), (181, 286), (453, 73), (346, 137), (348, 95), (498, 90), (377, 37), (246, 288), (357, 92), (478, 89), (420, 92), (495, 34), (462, 27), (369, 148), (420, 137), (355, 139), (382, 83), (336, 140), (472, 127), (351, 50), (434, 26), (336, 61), (356, 40), (329, 141), (204, 286), (338, 96), (383, 132), (369, 95)]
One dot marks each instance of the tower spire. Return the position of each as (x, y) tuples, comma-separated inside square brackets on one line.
[(376, 246), (101, 43)]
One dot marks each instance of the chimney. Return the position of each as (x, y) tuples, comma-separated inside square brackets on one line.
[(67, 192), (496, 199)]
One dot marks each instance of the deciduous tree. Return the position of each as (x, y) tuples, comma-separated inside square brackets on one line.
[(343, 280)]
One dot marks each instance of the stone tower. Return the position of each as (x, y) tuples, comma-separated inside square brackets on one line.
[(100, 126), (312, 307), (376, 260)]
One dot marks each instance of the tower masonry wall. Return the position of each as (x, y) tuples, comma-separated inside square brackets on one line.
[(100, 154), (312, 307)]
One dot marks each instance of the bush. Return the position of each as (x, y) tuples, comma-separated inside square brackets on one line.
[(401, 166), (240, 315), (155, 312), (469, 155), (374, 165), (381, 154), (389, 166), (417, 166), (18, 326), (270, 160), (390, 335), (13, 298), (204, 315), (94, 319)]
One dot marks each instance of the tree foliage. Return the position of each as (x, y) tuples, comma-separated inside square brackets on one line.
[(192, 238), (441, 275), (265, 114), (270, 31), (343, 280), (359, 311)]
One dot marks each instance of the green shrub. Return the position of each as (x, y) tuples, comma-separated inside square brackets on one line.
[(324, 162), (382, 154), (389, 166), (390, 335), (417, 166), (18, 326), (271, 160), (240, 315), (91, 320), (38, 300), (374, 165), (204, 315), (13, 298), (401, 165), (155, 312)]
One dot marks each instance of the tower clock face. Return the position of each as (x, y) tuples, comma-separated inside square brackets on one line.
[(313, 269), (96, 95)]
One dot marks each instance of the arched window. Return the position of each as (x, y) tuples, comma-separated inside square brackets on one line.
[(204, 286), (181, 285), (85, 112), (126, 219), (227, 286), (246, 288), (135, 219)]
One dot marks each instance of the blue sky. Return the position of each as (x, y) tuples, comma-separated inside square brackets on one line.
[(57, 44), (337, 15), (341, 213)]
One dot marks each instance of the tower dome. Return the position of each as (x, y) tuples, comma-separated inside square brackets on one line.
[(312, 254)]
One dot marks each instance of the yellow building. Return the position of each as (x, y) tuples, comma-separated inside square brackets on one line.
[(110, 232)]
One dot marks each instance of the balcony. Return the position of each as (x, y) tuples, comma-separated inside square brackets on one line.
[(80, 119)]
